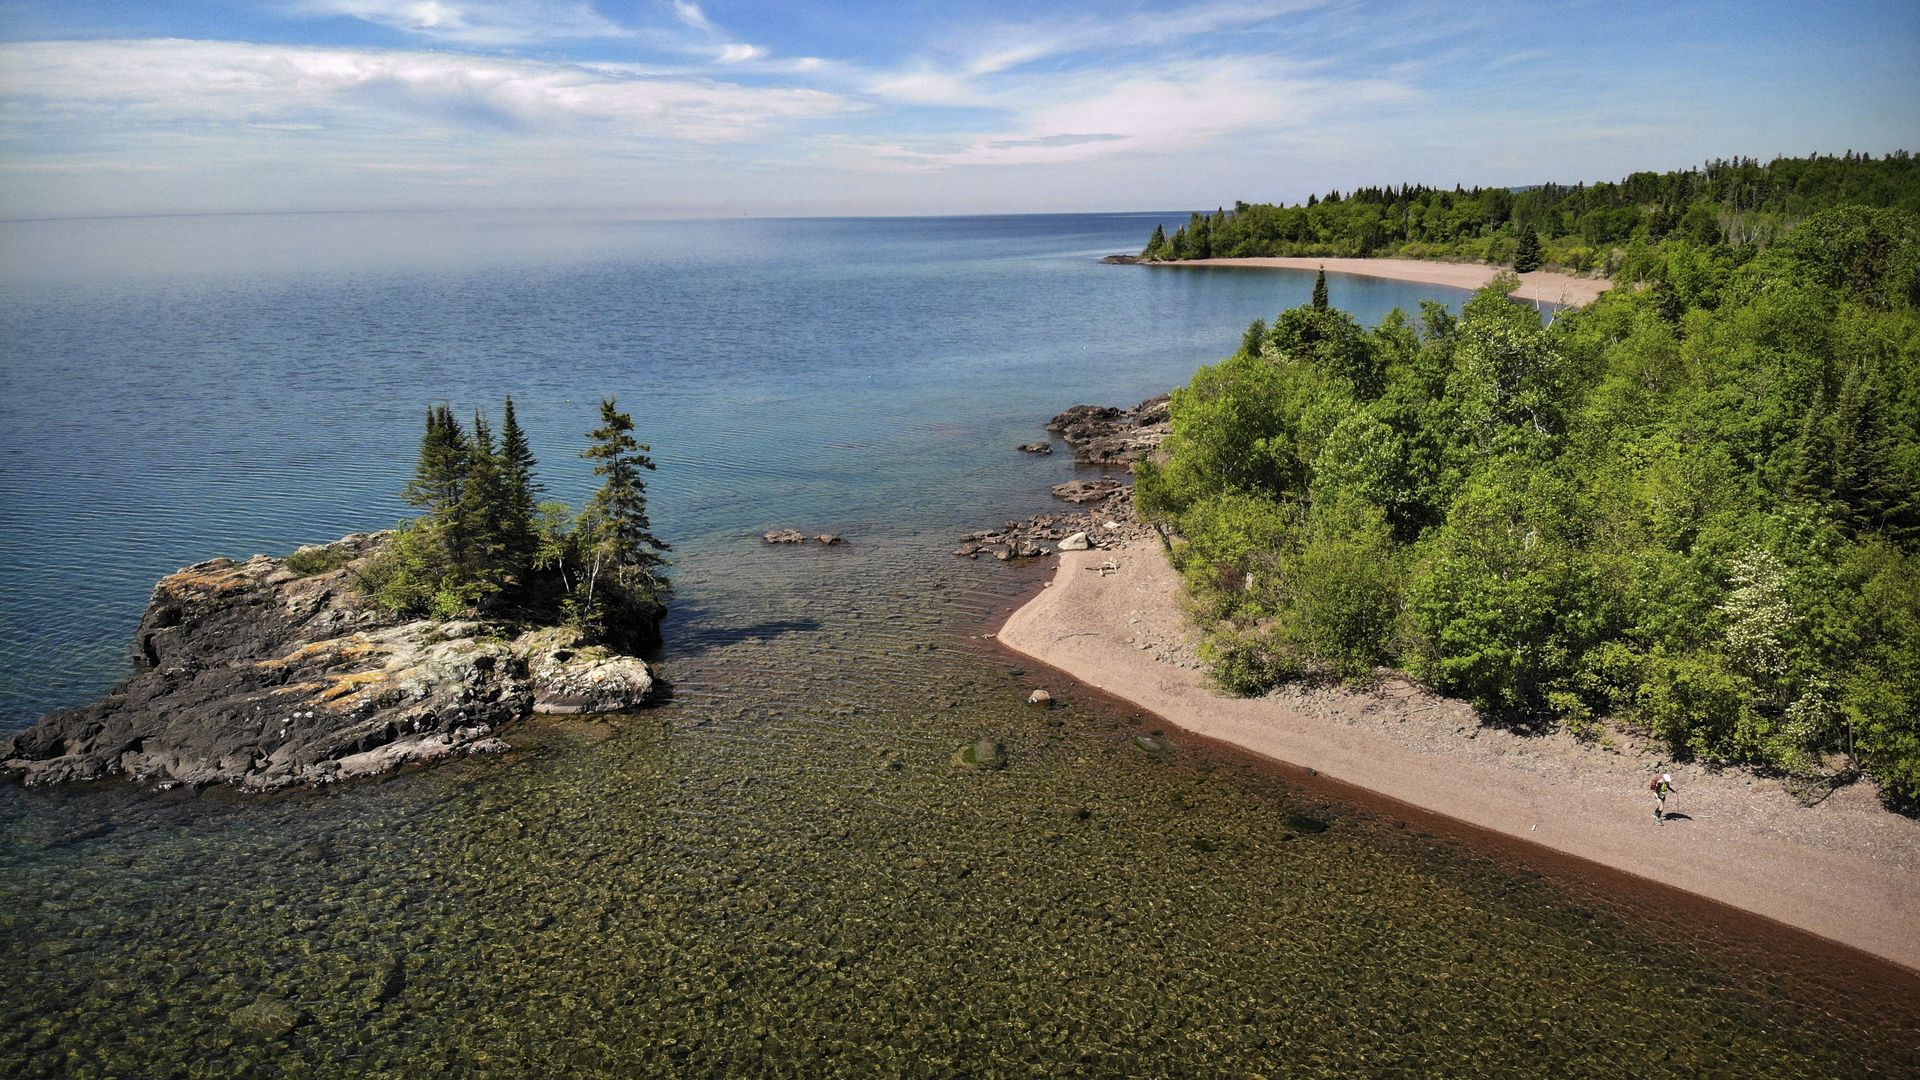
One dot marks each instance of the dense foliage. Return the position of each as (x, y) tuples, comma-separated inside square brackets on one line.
[(1606, 227), (485, 545), (1689, 508)]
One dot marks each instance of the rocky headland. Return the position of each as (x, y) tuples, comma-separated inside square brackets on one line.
[(257, 675)]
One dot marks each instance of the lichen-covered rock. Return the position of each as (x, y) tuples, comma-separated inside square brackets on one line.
[(569, 678), (255, 675)]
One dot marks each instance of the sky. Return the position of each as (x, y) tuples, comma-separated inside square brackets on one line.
[(716, 107)]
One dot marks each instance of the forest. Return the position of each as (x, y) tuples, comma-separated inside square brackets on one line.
[(1687, 510), (486, 545), (1606, 228)]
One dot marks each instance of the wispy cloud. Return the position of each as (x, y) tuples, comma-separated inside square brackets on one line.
[(480, 22), (167, 85)]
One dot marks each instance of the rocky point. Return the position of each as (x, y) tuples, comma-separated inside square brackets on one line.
[(255, 675)]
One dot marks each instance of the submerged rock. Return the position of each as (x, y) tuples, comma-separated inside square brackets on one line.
[(1040, 698), (985, 754), (1036, 448), (829, 539), (254, 675), (785, 536), (266, 1018)]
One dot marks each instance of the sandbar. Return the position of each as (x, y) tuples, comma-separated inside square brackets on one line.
[(1546, 286), (1845, 869)]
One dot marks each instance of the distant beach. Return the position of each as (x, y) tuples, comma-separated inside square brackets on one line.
[(1845, 869), (1546, 286)]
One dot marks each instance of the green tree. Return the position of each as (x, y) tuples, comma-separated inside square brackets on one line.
[(623, 557), (1320, 290), (522, 490), (1531, 256)]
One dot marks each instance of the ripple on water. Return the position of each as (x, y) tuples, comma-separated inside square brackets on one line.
[(782, 867)]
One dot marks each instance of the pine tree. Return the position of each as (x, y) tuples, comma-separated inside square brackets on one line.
[(1320, 290), (1530, 256), (482, 513), (522, 498), (438, 481), (623, 557)]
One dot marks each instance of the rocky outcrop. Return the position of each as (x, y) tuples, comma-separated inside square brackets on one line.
[(1107, 522), (1086, 491), (254, 675), (785, 536), (1113, 437)]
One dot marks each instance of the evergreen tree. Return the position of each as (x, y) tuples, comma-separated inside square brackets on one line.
[(623, 557), (438, 480), (1530, 257), (1320, 290), (522, 495), (482, 513)]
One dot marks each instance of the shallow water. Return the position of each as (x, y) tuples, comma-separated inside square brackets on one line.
[(779, 871)]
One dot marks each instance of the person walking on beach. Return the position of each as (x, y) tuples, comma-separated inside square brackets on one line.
[(1661, 787)]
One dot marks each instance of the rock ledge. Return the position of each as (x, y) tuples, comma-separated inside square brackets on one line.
[(256, 676)]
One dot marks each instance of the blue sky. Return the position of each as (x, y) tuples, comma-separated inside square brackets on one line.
[(678, 107)]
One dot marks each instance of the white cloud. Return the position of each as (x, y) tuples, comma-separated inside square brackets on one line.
[(165, 86), (691, 14), (479, 22), (739, 53), (1182, 108)]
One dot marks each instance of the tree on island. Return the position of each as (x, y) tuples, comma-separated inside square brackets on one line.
[(483, 546), (621, 555), (1530, 257), (1320, 290)]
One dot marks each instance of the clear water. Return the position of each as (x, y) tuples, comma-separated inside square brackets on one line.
[(779, 871)]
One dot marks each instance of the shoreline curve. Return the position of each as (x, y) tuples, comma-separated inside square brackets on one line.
[(1546, 286), (1845, 870)]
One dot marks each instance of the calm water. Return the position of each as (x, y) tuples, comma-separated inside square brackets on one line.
[(779, 871)]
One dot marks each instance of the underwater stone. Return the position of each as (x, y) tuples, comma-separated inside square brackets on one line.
[(985, 754)]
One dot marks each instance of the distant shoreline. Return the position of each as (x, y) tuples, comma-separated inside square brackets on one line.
[(1546, 286), (1845, 870)]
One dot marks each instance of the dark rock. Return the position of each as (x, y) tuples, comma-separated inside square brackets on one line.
[(829, 539), (261, 678), (785, 536), (1085, 491), (1121, 260), (1108, 436), (1036, 448)]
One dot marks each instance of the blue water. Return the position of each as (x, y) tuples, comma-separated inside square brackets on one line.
[(175, 389), (778, 871)]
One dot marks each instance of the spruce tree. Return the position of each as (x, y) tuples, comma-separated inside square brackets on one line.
[(522, 495), (1320, 290), (482, 514), (622, 556), (438, 481), (1531, 256)]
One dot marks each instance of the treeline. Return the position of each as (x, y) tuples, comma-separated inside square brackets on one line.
[(486, 544), (1608, 228), (1691, 510)]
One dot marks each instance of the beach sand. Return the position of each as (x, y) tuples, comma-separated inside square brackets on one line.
[(1845, 869), (1543, 285)]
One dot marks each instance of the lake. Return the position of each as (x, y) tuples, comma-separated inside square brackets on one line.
[(778, 871)]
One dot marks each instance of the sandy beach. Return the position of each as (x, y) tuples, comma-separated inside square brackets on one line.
[(1543, 285), (1844, 869)]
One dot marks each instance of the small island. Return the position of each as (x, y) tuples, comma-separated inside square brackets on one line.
[(385, 649)]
